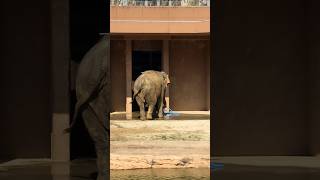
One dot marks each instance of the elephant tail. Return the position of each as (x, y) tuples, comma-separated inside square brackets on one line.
[(75, 115), (85, 101), (136, 92)]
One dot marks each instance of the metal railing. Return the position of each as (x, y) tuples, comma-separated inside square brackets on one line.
[(182, 3)]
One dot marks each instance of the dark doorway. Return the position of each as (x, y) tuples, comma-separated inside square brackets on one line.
[(87, 20), (142, 61)]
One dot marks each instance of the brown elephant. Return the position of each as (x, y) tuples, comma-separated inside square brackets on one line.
[(149, 88), (92, 90)]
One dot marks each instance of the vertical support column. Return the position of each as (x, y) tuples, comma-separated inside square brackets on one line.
[(128, 79), (165, 66), (208, 74), (60, 142)]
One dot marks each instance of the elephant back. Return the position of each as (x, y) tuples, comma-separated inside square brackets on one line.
[(92, 72)]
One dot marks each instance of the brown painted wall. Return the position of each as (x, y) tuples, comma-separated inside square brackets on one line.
[(25, 124), (260, 78), (313, 16), (118, 75), (147, 45), (188, 73)]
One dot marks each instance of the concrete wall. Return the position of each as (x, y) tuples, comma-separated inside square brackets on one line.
[(25, 124), (260, 78), (118, 75), (135, 19), (188, 73)]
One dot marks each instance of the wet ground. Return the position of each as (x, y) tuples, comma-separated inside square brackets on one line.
[(161, 174), (175, 115), (254, 168), (85, 169)]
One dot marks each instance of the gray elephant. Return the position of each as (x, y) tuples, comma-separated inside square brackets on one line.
[(149, 88), (92, 89)]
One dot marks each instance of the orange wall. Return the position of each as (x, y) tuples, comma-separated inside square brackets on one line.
[(189, 75), (155, 19), (118, 75)]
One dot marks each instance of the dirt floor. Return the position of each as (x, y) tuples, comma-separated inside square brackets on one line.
[(168, 143)]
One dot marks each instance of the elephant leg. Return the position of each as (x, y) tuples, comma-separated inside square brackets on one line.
[(160, 103), (150, 111), (141, 106), (160, 110), (100, 137)]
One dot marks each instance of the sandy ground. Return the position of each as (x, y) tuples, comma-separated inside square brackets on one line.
[(171, 143)]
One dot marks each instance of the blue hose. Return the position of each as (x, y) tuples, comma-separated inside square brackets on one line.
[(216, 166), (171, 113)]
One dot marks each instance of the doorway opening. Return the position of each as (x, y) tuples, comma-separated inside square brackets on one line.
[(142, 61)]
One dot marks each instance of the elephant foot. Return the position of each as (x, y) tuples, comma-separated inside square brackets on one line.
[(160, 115), (149, 116), (142, 118)]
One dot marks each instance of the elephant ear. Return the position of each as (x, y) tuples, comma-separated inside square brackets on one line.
[(164, 75)]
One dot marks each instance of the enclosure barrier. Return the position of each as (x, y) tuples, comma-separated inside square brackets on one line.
[(176, 3)]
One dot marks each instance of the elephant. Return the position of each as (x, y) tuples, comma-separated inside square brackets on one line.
[(93, 101), (149, 88)]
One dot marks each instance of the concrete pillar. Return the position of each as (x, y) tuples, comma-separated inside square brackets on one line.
[(60, 148), (128, 79), (165, 65), (208, 74)]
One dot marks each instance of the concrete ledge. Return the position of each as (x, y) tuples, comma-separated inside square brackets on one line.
[(25, 162), (272, 161)]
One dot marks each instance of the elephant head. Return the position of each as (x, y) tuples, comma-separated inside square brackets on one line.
[(166, 79)]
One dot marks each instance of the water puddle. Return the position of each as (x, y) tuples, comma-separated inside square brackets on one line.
[(161, 174)]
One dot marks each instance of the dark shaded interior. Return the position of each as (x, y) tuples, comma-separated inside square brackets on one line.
[(142, 61), (25, 71), (265, 79)]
